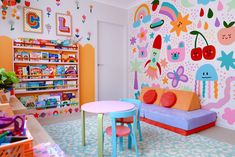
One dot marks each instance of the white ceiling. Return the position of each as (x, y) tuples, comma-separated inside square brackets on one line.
[(125, 4)]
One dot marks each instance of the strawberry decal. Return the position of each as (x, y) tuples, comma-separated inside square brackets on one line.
[(155, 4)]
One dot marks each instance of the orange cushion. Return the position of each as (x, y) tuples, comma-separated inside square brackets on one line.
[(168, 99), (150, 96)]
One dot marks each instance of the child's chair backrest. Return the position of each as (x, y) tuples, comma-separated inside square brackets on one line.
[(136, 102)]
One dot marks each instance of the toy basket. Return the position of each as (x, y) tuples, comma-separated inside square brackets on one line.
[(18, 149)]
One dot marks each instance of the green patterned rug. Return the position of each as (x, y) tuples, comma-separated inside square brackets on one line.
[(157, 142)]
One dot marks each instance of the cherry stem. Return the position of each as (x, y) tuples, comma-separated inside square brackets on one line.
[(195, 44), (203, 37)]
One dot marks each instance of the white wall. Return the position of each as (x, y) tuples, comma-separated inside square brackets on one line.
[(100, 12)]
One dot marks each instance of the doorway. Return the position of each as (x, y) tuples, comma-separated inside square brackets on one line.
[(111, 61)]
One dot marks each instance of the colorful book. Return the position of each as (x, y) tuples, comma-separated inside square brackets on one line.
[(45, 57), (60, 70), (67, 96), (36, 72), (52, 70), (49, 84), (43, 97), (18, 56), (71, 84), (45, 71), (69, 57), (25, 56), (70, 71), (21, 71), (58, 84), (35, 56), (54, 57), (31, 86), (28, 101), (57, 94)]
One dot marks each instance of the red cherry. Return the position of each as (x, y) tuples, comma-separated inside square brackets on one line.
[(209, 52), (196, 54), (201, 12)]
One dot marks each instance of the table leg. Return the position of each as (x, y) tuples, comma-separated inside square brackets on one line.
[(100, 135), (83, 129)]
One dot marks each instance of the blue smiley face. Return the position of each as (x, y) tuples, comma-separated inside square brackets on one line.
[(206, 73)]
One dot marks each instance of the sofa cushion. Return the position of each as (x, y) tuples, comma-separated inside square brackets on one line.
[(186, 100), (159, 92), (177, 118), (168, 99), (150, 96)]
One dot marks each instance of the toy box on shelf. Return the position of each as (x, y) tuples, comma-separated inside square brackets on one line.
[(49, 74)]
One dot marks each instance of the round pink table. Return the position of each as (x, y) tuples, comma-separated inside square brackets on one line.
[(100, 108)]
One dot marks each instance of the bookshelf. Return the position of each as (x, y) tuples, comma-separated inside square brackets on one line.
[(49, 76)]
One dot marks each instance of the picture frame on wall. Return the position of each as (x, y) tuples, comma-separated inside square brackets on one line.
[(32, 20), (63, 24)]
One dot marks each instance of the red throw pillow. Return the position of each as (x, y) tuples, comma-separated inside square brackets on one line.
[(150, 97), (168, 99)]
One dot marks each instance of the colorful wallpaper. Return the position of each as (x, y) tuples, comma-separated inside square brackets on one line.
[(37, 19), (186, 45)]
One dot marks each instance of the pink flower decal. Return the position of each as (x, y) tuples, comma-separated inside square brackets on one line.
[(229, 115), (142, 34)]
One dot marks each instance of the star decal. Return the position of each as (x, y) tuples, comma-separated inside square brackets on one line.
[(164, 63), (227, 60), (180, 24), (134, 50), (133, 40), (165, 80), (167, 38), (231, 5), (135, 65), (151, 35)]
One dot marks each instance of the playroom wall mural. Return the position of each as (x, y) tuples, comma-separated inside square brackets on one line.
[(187, 45), (34, 19)]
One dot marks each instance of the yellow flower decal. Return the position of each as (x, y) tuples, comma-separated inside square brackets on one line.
[(180, 24)]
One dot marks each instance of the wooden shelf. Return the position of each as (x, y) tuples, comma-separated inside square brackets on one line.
[(44, 49), (48, 79), (55, 63), (28, 76), (45, 91)]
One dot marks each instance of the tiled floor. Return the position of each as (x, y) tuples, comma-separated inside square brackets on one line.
[(218, 133)]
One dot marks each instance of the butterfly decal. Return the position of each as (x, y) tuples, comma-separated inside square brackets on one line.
[(177, 76)]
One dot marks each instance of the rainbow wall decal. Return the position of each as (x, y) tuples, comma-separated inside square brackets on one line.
[(142, 13), (169, 10)]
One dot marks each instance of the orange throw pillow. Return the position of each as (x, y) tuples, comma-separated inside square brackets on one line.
[(168, 99), (150, 96)]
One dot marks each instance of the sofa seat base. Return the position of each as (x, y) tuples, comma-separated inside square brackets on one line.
[(178, 130)]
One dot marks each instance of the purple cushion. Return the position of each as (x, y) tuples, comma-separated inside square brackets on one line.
[(177, 118)]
